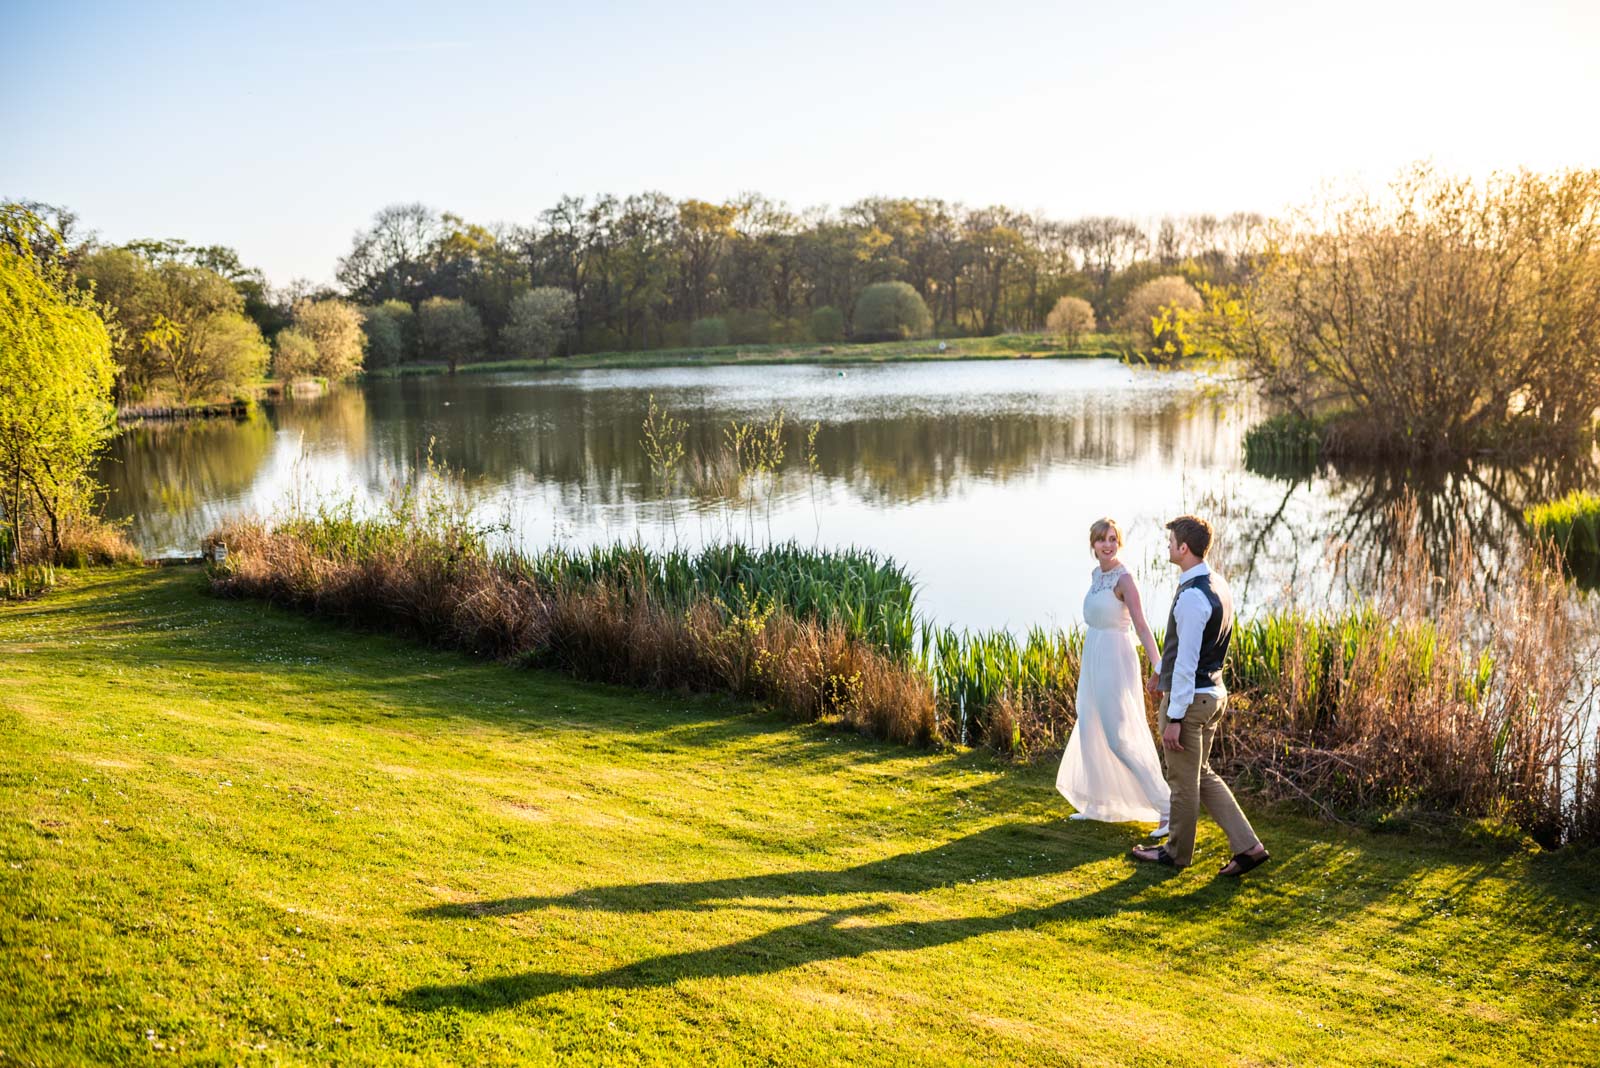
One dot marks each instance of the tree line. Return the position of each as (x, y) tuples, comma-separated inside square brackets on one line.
[(1442, 315), (646, 271)]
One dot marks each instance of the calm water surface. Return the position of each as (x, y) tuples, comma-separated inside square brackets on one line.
[(982, 477)]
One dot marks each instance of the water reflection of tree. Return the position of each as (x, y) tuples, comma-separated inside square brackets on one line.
[(161, 474), (331, 422), (591, 439), (1474, 507)]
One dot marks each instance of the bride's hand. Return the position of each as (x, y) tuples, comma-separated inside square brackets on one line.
[(1153, 683)]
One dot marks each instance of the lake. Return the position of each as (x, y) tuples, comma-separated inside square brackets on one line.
[(982, 477)]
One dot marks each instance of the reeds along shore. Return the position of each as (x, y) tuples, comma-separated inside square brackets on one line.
[(1412, 705)]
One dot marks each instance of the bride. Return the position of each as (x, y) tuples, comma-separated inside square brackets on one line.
[(1111, 771)]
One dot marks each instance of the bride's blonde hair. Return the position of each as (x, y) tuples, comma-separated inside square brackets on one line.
[(1101, 527)]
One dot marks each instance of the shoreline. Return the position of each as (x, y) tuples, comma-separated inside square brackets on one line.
[(1003, 347)]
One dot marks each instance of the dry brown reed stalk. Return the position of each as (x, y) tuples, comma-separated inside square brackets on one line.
[(601, 631), (1447, 698), (1028, 723), (89, 541)]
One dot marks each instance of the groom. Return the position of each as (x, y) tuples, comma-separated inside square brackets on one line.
[(1196, 643)]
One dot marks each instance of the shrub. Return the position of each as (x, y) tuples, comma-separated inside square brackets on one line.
[(749, 326), (708, 333), (90, 541), (390, 328), (827, 324), (294, 355), (891, 311), (540, 319), (1154, 318), (450, 330), (1070, 319), (334, 327)]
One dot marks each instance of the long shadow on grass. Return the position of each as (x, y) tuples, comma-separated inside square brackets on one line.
[(1006, 852), (837, 934), (1313, 890)]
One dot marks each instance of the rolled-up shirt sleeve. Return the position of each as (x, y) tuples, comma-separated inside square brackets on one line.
[(1192, 611)]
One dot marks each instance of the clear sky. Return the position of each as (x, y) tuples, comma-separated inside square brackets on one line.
[(280, 128)]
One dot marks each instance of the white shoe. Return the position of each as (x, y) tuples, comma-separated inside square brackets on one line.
[(1078, 816), (1161, 832)]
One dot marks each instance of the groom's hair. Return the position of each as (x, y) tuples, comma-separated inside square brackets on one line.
[(1192, 531)]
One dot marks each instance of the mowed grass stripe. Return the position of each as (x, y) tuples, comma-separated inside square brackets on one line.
[(243, 835)]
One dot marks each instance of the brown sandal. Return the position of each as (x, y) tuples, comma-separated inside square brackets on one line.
[(1161, 856), (1245, 863)]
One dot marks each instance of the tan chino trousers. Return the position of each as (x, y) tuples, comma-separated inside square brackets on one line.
[(1194, 784)]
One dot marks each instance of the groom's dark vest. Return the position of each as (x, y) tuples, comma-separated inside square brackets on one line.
[(1213, 641)]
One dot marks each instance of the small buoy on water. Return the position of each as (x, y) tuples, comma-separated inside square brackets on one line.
[(841, 374)]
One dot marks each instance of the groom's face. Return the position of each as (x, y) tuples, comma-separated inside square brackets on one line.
[(1172, 548)]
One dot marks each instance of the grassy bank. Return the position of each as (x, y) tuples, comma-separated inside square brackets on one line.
[(234, 834), (1006, 346), (1403, 707)]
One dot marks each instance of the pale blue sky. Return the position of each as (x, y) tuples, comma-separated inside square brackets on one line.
[(281, 128)]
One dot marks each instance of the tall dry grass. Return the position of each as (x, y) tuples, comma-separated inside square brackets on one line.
[(616, 627), (1437, 696), (85, 540)]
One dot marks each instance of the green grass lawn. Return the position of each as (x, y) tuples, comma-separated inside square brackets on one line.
[(236, 835), (1005, 346)]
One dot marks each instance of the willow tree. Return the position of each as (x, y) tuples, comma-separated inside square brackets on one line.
[(1442, 317), (55, 401)]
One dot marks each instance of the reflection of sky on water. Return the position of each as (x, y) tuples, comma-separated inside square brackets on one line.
[(981, 477)]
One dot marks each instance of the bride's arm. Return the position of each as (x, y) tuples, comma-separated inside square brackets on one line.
[(1129, 590)]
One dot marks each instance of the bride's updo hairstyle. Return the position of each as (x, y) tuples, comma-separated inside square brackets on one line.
[(1101, 527)]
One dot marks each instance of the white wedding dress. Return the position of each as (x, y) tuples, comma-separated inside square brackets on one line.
[(1111, 770)]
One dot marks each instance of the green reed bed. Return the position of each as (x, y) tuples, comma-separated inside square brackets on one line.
[(869, 595), (1285, 439), (1404, 705), (1572, 524)]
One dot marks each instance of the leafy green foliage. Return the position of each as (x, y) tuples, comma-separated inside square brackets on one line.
[(827, 324), (708, 333), (294, 355), (55, 402), (334, 329), (891, 311), (180, 327), (1154, 318), (449, 329), (391, 333), (1573, 525), (540, 319)]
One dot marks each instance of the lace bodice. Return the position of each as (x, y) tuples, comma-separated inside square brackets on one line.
[(1102, 608)]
